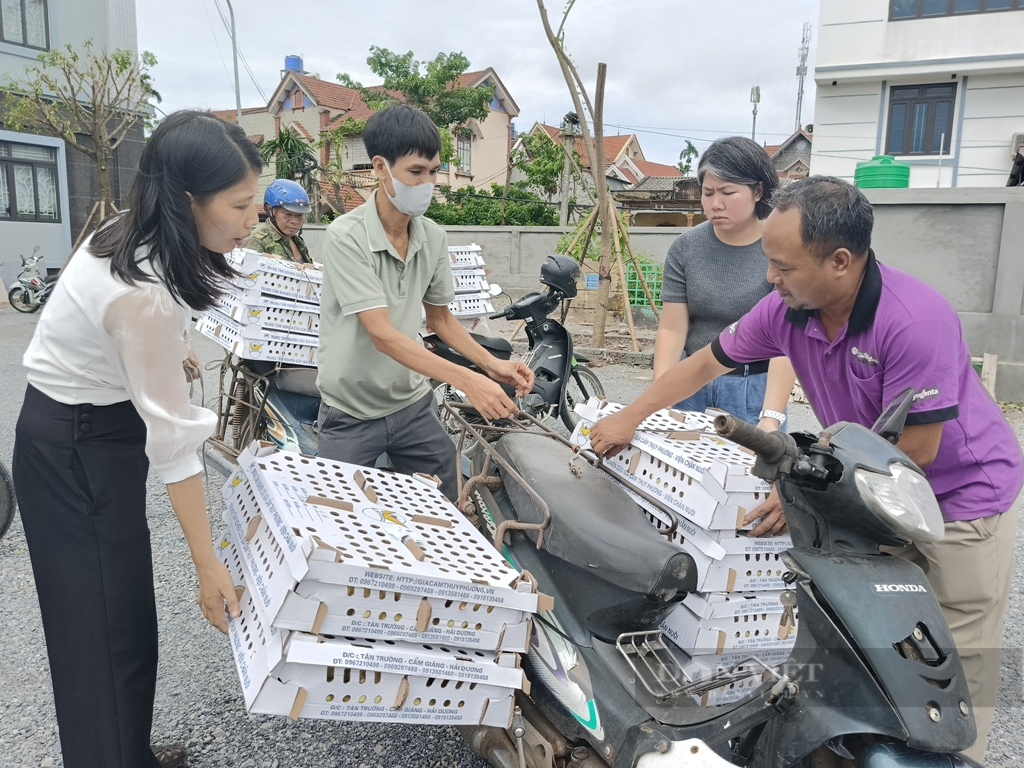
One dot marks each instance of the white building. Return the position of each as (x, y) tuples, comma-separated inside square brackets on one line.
[(47, 189), (936, 83)]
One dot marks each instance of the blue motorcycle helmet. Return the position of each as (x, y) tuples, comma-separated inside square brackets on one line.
[(286, 194)]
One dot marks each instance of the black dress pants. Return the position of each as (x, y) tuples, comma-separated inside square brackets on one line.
[(80, 476)]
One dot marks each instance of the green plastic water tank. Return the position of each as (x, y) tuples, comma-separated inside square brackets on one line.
[(882, 171)]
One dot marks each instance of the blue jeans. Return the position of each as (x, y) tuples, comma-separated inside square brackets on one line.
[(742, 396)]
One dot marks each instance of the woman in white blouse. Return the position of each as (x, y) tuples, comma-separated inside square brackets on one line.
[(107, 399)]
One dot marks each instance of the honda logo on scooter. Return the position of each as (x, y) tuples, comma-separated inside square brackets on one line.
[(899, 588)]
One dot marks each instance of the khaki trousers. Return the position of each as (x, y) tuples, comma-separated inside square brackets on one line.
[(970, 570)]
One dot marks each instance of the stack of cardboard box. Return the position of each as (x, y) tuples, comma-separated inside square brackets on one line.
[(271, 312), (472, 291), (683, 475), (367, 596)]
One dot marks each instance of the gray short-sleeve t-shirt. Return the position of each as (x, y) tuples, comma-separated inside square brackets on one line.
[(719, 283), (362, 271)]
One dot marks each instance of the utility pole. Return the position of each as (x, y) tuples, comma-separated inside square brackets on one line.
[(801, 73), (755, 98), (234, 56)]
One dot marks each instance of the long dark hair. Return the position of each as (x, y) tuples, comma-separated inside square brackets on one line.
[(189, 152)]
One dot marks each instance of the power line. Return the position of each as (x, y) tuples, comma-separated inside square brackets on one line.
[(245, 63)]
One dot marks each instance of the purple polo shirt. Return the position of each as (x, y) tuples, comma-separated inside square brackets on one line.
[(901, 333)]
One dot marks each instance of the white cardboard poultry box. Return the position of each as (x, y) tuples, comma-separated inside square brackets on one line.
[(287, 601), (702, 667), (276, 277), (272, 314), (272, 684), (465, 256), (379, 530), (709, 636), (298, 349), (667, 471)]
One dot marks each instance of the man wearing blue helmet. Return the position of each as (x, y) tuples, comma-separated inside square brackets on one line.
[(286, 205)]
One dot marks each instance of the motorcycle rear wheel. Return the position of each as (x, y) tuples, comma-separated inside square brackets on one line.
[(19, 299), (8, 503), (582, 385)]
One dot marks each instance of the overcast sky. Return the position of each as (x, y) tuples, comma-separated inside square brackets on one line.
[(677, 69)]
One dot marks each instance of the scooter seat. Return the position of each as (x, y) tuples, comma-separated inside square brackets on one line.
[(496, 345), (595, 526)]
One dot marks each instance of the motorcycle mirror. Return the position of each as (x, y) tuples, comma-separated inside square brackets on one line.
[(892, 420), (495, 290), (35, 250)]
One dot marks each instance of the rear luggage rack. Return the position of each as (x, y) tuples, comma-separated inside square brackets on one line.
[(658, 669)]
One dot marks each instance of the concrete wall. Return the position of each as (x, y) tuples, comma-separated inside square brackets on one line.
[(967, 243)]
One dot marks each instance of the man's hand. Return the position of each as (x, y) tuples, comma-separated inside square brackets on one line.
[(488, 398), (515, 373), (773, 522), (613, 433)]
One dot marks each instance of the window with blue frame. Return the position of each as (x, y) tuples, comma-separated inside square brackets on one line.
[(23, 22), (920, 119), (926, 9), (28, 183)]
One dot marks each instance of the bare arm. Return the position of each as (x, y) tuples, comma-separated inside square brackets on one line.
[(485, 395), (921, 442), (216, 592), (452, 332), (680, 381), (781, 378), (673, 328)]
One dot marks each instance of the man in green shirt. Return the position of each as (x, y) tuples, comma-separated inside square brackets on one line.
[(385, 268), (286, 205)]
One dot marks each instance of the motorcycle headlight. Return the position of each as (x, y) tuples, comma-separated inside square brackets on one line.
[(904, 500)]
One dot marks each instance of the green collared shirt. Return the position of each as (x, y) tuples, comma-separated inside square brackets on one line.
[(266, 239), (363, 271)]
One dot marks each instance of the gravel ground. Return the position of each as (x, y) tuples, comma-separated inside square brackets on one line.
[(198, 695)]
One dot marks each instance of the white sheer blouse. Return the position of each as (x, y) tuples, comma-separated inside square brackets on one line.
[(102, 341)]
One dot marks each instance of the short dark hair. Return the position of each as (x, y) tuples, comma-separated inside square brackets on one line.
[(833, 214), (740, 160), (189, 152), (401, 130)]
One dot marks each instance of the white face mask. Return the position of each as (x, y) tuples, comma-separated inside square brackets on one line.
[(412, 200)]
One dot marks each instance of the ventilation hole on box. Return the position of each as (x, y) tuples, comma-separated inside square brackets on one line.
[(417, 701), (432, 702), (397, 617)]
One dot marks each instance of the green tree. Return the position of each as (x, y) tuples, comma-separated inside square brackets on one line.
[(686, 158), (542, 160), (73, 94), (291, 156), (432, 86), (469, 206)]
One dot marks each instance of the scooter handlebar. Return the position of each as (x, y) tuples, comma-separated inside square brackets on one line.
[(771, 446)]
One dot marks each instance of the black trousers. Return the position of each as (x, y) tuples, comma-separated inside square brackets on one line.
[(412, 437), (80, 475)]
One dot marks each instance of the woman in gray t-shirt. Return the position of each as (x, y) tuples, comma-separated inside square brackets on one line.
[(715, 273)]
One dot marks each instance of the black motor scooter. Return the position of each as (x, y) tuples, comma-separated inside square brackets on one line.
[(873, 680), (561, 380)]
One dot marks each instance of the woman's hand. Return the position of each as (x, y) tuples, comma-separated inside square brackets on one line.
[(217, 594), (613, 433)]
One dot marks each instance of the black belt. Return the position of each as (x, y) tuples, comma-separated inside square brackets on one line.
[(758, 366)]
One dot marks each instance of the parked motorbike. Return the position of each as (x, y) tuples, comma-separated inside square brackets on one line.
[(33, 288), (873, 680), (262, 401), (8, 502), (561, 380)]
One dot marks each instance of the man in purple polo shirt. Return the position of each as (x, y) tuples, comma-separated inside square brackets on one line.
[(858, 333)]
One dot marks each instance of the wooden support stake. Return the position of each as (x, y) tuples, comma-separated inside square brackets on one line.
[(617, 255), (636, 266), (989, 364)]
